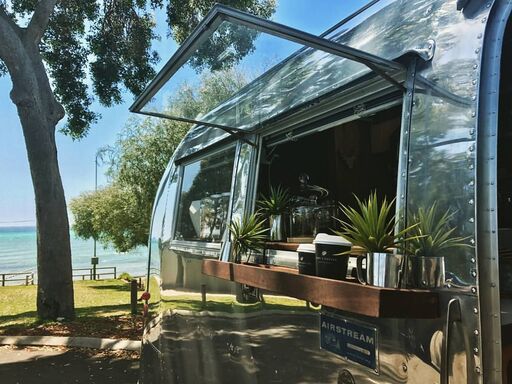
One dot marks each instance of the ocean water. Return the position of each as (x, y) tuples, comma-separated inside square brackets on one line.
[(18, 253)]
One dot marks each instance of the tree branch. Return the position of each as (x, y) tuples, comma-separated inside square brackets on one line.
[(39, 20), (10, 37)]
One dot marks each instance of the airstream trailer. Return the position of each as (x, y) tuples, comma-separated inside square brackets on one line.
[(412, 99)]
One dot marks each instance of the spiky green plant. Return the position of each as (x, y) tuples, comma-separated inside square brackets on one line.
[(433, 234), (372, 225), (247, 234), (276, 202)]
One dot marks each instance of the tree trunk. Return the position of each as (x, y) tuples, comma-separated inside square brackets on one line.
[(39, 113), (54, 269)]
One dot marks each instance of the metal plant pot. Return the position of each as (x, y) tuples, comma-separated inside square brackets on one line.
[(425, 272), (276, 227), (382, 269)]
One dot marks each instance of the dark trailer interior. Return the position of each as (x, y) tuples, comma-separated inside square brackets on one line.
[(353, 158)]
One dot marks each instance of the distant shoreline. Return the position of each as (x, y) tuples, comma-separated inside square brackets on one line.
[(18, 250)]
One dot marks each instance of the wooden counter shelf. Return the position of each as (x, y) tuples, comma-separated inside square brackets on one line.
[(281, 246), (343, 295)]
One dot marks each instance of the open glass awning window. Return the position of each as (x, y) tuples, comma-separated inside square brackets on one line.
[(259, 69)]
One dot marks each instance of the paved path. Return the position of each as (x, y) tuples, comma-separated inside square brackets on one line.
[(56, 365), (55, 360)]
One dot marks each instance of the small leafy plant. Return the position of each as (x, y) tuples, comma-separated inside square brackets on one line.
[(247, 234), (372, 225), (276, 203), (433, 234)]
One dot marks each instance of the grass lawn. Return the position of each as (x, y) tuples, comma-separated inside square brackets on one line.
[(102, 309)]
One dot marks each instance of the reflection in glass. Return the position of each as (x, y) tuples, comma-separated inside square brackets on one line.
[(242, 181), (441, 170), (204, 198), (157, 224), (284, 75)]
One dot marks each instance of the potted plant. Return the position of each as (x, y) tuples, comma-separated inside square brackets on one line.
[(432, 238), (247, 234), (273, 206), (372, 227)]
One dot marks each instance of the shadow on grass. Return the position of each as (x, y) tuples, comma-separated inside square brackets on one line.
[(102, 310), (30, 318), (111, 287)]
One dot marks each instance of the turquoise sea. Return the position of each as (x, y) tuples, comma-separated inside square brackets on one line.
[(18, 253)]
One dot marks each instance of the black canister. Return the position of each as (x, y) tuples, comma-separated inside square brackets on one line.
[(307, 259), (329, 262)]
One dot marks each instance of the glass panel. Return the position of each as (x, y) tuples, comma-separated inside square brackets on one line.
[(170, 205), (261, 76), (442, 171), (204, 198), (245, 59), (158, 222), (242, 181)]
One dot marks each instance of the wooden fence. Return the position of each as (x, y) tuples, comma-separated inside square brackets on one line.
[(17, 278)]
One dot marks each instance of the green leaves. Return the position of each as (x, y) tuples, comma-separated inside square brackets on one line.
[(371, 226), (432, 233), (276, 203), (99, 49), (137, 161), (231, 41), (111, 216), (247, 235)]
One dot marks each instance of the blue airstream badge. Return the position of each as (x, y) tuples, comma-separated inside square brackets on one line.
[(349, 339)]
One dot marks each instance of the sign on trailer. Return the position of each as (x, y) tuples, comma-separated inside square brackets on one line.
[(349, 339)]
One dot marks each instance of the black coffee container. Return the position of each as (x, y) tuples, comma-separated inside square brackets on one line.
[(329, 262), (307, 259)]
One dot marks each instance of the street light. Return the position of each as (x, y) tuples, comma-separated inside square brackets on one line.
[(95, 258)]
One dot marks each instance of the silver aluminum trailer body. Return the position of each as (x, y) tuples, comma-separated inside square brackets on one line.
[(447, 82)]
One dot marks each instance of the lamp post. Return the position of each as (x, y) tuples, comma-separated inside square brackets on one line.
[(95, 259)]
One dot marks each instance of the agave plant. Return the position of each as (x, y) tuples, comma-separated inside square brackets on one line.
[(433, 233), (247, 234), (372, 225), (276, 203)]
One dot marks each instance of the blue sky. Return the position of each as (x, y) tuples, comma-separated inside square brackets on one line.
[(76, 158)]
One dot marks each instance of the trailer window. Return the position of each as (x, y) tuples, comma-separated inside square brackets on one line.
[(204, 198), (329, 167)]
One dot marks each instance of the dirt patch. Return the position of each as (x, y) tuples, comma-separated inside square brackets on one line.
[(113, 327)]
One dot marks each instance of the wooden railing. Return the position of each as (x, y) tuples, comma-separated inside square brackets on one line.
[(17, 277), (90, 274)]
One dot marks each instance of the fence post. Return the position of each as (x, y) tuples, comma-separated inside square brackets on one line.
[(32, 277), (3, 280), (203, 295), (26, 280), (133, 301), (115, 273)]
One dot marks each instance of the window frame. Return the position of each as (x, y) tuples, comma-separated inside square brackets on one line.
[(204, 248)]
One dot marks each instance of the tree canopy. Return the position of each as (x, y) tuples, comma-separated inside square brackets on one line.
[(109, 43), (60, 54), (120, 213)]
